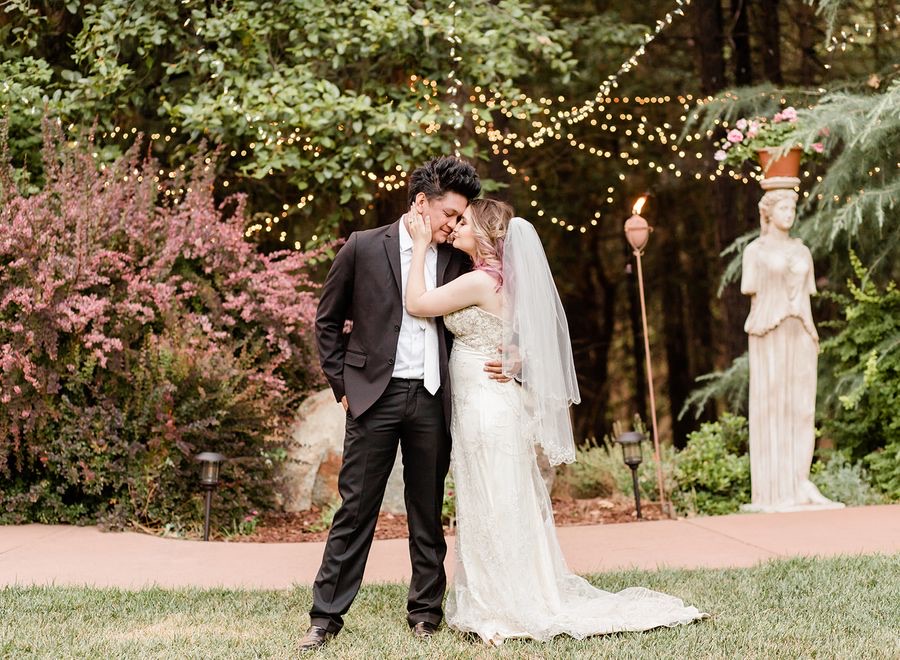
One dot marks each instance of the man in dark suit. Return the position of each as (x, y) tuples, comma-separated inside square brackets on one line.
[(391, 376)]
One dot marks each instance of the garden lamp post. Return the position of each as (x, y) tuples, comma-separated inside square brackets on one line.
[(631, 453), (210, 462), (637, 232)]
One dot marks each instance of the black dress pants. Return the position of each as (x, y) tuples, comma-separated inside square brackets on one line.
[(408, 413)]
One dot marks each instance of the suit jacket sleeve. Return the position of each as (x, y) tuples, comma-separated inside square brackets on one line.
[(333, 311)]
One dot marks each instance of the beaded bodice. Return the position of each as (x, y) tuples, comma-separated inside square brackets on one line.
[(477, 329)]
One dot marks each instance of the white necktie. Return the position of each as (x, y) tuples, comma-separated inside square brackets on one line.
[(432, 360)]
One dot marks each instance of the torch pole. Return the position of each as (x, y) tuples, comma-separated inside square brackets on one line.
[(659, 475)]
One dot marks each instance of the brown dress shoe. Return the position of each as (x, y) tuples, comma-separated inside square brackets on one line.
[(315, 638), (424, 630)]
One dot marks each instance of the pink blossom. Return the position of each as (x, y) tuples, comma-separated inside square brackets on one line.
[(778, 118), (818, 147), (741, 124), (95, 293), (789, 114), (720, 155), (735, 135), (753, 129)]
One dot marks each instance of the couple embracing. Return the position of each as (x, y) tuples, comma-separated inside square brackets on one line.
[(468, 343)]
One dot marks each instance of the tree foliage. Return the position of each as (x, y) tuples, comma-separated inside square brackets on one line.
[(320, 108), (306, 95)]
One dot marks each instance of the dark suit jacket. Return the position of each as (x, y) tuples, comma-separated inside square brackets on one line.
[(364, 285)]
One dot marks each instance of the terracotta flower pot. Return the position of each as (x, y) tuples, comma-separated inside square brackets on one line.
[(787, 165)]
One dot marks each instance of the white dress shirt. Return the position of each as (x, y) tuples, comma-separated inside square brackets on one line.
[(418, 340)]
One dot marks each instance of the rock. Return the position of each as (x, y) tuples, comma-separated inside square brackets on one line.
[(315, 449), (393, 495)]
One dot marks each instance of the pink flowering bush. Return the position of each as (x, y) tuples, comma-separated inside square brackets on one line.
[(137, 328), (742, 142)]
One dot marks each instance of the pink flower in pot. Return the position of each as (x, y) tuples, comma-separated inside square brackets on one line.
[(734, 135)]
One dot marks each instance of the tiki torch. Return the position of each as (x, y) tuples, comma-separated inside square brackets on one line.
[(637, 232)]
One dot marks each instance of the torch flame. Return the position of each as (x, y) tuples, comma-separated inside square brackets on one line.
[(638, 205)]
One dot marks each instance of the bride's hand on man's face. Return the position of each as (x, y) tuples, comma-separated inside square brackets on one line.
[(419, 227)]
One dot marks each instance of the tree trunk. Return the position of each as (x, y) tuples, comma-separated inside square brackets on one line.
[(676, 331), (809, 35), (637, 339), (740, 38), (707, 29), (724, 214), (771, 40), (597, 297), (742, 217)]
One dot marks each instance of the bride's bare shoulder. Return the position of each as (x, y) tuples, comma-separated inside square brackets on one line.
[(480, 278)]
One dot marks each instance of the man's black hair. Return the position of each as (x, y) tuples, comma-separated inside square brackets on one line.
[(441, 175)]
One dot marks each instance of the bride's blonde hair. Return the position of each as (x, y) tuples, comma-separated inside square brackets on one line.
[(490, 219)]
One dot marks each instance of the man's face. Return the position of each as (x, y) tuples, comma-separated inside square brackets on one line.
[(444, 212)]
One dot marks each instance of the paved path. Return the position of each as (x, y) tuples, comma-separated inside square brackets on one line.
[(62, 555)]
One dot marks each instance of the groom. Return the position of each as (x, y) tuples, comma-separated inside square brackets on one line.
[(391, 376)]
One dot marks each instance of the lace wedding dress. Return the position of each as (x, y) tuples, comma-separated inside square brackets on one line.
[(511, 579)]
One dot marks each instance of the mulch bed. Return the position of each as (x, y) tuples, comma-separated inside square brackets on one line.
[(307, 525)]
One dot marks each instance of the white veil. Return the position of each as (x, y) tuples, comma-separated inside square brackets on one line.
[(536, 345)]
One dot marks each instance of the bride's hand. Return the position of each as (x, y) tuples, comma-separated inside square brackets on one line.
[(419, 228)]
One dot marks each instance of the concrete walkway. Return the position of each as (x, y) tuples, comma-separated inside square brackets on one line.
[(62, 555)]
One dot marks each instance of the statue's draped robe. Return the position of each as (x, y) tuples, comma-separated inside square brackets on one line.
[(784, 346)]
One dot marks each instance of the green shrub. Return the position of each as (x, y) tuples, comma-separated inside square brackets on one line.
[(448, 506), (843, 481), (884, 468), (139, 327), (326, 517), (712, 473), (862, 366), (600, 471), (596, 472)]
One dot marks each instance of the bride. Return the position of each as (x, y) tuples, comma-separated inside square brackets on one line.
[(511, 579)]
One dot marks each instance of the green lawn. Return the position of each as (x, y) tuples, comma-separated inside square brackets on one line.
[(847, 607)]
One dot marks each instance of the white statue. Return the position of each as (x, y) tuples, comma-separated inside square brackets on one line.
[(784, 347)]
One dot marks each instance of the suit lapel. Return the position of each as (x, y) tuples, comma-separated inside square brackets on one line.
[(392, 247), (443, 260)]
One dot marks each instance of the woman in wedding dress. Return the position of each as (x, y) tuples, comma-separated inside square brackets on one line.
[(510, 578)]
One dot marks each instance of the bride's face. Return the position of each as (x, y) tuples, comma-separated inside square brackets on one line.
[(463, 237)]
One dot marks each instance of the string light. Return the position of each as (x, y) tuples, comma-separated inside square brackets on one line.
[(548, 125), (848, 34), (453, 83), (578, 114)]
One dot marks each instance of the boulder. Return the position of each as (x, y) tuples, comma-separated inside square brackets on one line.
[(309, 476), (315, 446)]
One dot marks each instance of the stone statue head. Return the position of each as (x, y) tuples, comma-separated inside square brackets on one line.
[(778, 207)]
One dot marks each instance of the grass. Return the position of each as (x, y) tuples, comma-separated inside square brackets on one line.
[(844, 607)]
